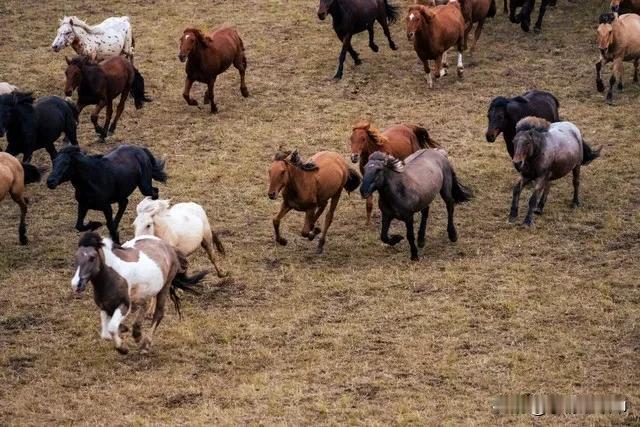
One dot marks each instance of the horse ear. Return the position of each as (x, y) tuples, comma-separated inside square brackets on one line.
[(295, 157), (427, 14), (67, 59)]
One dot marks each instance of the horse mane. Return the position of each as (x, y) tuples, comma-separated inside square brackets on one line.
[(499, 101), (81, 60), (152, 207), (606, 18), (293, 158), (390, 162), (74, 21), (200, 36), (16, 99), (533, 123), (373, 133), (91, 239)]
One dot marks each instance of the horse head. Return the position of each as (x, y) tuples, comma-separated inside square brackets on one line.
[(417, 15), (188, 42), (497, 117), (604, 36), (88, 260), (73, 73), (359, 140), (62, 169), (530, 134), (144, 223), (324, 8), (374, 172), (279, 173), (65, 36)]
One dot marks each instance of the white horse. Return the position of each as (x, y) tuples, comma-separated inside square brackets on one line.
[(184, 225), (112, 37), (6, 88)]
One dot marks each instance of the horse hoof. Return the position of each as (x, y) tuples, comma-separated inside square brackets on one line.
[(319, 250), (600, 86), (395, 239), (575, 205), (421, 243), (337, 76), (415, 258), (527, 224), (244, 91), (460, 73), (282, 241), (358, 61), (512, 219), (537, 211), (93, 225), (374, 47), (453, 237), (123, 329), (537, 30), (393, 46), (620, 87), (222, 274), (122, 350)]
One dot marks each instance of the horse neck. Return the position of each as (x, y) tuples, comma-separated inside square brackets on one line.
[(24, 121), (300, 183), (103, 280), (163, 229), (84, 170)]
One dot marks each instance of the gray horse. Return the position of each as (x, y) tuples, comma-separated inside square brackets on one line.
[(409, 186), (545, 152)]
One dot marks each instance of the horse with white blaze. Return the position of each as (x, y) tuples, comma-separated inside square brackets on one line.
[(112, 37), (125, 278)]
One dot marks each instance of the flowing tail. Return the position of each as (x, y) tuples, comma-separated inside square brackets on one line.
[(31, 173), (157, 167), (589, 154), (492, 9), (137, 90), (424, 140), (353, 181), (184, 282), (459, 192), (392, 12), (218, 243)]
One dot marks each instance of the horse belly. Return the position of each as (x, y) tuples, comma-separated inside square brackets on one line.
[(147, 282), (189, 233)]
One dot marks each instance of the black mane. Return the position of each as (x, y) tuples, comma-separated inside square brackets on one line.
[(606, 18), (499, 101), (17, 98), (91, 239)]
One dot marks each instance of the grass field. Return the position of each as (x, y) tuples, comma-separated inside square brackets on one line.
[(359, 335)]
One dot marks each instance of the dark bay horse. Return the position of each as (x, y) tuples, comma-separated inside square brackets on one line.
[(101, 180), (13, 178), (399, 140), (409, 187), (355, 16), (126, 278), (308, 187), (100, 83), (524, 17), (31, 126), (625, 6), (545, 152), (208, 56), (505, 113)]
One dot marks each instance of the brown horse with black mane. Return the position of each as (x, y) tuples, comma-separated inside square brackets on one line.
[(308, 187), (399, 140), (209, 55)]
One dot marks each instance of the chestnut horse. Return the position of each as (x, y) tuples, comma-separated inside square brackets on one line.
[(209, 55), (100, 83), (399, 140), (307, 187), (476, 11), (13, 177), (433, 31)]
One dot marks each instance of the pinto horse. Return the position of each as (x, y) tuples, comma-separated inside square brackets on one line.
[(100, 180), (112, 37), (545, 152), (355, 16), (100, 83), (31, 126), (13, 178), (409, 186), (307, 187), (125, 278), (209, 55), (524, 17), (433, 30), (398, 140)]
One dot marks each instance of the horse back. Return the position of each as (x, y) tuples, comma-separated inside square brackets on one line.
[(331, 174), (563, 148), (118, 73), (626, 34), (402, 141), (11, 175), (161, 253)]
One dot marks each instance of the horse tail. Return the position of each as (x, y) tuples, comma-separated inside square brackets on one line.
[(31, 173), (137, 89), (589, 154), (218, 243), (392, 12), (184, 282), (353, 180), (157, 167), (424, 140), (459, 192), (492, 9)]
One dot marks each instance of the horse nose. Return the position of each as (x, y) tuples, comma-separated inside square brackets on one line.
[(181, 57), (322, 15), (354, 158), (518, 164), (410, 35), (272, 195), (68, 92), (491, 136)]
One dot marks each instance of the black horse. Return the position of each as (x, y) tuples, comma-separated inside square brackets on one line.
[(355, 16), (31, 126), (524, 17), (505, 113), (101, 180)]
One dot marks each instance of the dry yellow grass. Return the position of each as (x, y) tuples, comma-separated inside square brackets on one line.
[(360, 335)]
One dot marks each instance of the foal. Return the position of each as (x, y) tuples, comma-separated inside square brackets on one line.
[(545, 152), (208, 56), (125, 278), (13, 178), (307, 187)]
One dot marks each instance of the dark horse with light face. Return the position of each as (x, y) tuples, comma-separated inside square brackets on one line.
[(31, 126), (505, 113), (101, 180), (355, 16), (409, 187), (524, 17), (545, 152)]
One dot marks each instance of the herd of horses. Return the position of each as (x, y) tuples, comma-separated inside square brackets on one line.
[(403, 164)]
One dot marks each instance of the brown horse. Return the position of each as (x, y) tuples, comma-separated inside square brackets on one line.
[(433, 31), (307, 187), (476, 11), (100, 83), (625, 6), (13, 177), (400, 141), (209, 55)]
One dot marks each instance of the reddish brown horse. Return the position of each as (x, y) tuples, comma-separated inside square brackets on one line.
[(100, 83), (209, 55), (398, 140), (308, 187)]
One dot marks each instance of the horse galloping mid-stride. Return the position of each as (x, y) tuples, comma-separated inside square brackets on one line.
[(13, 178)]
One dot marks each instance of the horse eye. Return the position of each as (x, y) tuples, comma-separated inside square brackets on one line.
[(92, 258)]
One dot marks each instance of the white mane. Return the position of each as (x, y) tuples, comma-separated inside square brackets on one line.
[(152, 207), (74, 21)]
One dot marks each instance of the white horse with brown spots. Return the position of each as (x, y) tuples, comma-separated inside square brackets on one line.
[(112, 37), (125, 278)]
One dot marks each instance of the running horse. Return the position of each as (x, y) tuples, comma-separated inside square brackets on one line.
[(112, 37)]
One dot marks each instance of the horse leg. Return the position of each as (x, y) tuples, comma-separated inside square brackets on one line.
[(438, 70), (543, 200), (467, 31), (423, 227), (599, 84), (428, 75), (460, 65), (385, 28), (525, 15), (327, 223), (114, 327), (411, 238), (615, 76), (321, 207), (94, 119), (187, 90), (309, 215), (107, 118), (104, 323), (138, 313), (576, 187), (80, 225), (384, 231), (346, 42), (122, 206), (210, 85), (123, 98), (22, 228), (543, 9), (113, 230), (636, 63), (161, 298), (534, 200), (369, 208), (506, 7), (276, 223), (208, 248), (515, 201), (372, 43), (241, 64), (477, 34)]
